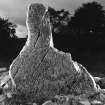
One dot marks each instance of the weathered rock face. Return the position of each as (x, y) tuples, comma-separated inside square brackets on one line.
[(40, 71)]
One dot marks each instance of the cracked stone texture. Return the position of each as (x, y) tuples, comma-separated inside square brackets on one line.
[(40, 71), (75, 100)]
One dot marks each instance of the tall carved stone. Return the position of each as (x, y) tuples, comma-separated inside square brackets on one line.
[(40, 71)]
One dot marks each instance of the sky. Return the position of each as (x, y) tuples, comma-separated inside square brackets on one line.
[(15, 10)]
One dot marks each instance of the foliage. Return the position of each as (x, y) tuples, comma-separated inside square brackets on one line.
[(10, 45), (88, 22), (60, 30), (59, 19), (7, 30), (7, 27)]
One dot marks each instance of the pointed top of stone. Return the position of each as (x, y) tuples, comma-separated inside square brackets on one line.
[(38, 25), (35, 14)]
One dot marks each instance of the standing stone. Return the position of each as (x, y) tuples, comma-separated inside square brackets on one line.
[(40, 71)]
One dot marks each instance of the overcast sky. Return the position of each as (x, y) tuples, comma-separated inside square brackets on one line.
[(15, 10)]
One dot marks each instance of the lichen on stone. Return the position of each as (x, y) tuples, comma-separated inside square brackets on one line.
[(40, 71)]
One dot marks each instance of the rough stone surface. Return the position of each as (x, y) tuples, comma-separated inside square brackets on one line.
[(100, 82), (40, 71), (74, 100)]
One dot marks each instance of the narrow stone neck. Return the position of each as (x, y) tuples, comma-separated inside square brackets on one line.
[(40, 35), (32, 38), (39, 28), (40, 38), (38, 24)]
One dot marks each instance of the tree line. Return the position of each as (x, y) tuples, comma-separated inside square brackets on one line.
[(83, 31)]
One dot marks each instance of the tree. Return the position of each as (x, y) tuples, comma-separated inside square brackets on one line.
[(7, 27), (10, 44), (61, 32), (89, 17), (7, 36), (88, 23), (7, 31), (59, 19)]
